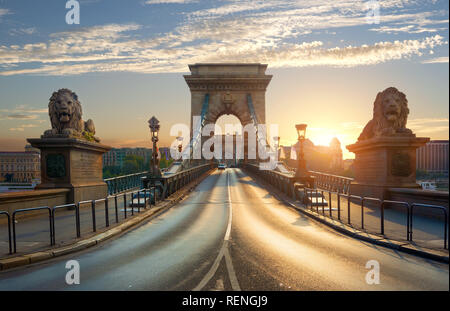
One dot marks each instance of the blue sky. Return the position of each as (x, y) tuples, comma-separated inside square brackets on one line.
[(125, 60)]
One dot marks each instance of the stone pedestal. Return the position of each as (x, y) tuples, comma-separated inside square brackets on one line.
[(74, 164), (385, 162)]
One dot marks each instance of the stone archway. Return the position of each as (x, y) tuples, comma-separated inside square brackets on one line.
[(227, 89)]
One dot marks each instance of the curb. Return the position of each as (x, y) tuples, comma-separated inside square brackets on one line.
[(27, 259), (364, 236)]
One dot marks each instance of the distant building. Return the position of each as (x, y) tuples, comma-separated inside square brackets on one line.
[(116, 156), (433, 157), (318, 158), (337, 162), (21, 167)]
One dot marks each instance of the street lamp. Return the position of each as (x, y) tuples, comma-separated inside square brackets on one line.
[(154, 126), (302, 174), (301, 131)]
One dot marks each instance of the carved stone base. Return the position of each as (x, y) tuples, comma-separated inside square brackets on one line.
[(385, 162), (74, 164)]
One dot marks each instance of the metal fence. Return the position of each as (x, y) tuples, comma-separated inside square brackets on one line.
[(332, 182), (315, 200), (125, 182), (120, 203)]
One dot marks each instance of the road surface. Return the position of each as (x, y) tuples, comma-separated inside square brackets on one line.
[(231, 234)]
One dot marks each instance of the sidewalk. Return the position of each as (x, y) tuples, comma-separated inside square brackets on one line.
[(33, 233), (427, 231)]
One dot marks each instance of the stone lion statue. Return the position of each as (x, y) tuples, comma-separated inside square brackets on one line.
[(65, 114), (390, 114)]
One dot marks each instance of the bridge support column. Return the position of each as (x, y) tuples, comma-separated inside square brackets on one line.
[(385, 162), (74, 164)]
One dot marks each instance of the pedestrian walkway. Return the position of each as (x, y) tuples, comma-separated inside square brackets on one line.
[(33, 232), (427, 231)]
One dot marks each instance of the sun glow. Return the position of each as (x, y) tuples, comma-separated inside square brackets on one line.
[(322, 139)]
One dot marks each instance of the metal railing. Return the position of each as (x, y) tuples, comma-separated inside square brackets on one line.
[(308, 194), (125, 182), (315, 198), (135, 199), (442, 208), (77, 219), (331, 182), (26, 210), (172, 183)]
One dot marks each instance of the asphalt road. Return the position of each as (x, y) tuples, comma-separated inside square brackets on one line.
[(261, 245)]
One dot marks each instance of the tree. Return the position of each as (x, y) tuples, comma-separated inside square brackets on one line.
[(133, 164), (164, 162), (111, 171)]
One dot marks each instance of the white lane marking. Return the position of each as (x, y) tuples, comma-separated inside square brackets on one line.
[(211, 271), (230, 217), (223, 253), (231, 274)]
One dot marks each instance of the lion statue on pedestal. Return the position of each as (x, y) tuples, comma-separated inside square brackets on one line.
[(65, 114), (390, 114)]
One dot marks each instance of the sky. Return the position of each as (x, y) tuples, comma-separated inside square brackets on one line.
[(126, 60)]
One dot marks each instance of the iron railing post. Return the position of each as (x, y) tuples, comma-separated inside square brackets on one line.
[(94, 223), (339, 205), (77, 219), (106, 212), (116, 210), (348, 209), (125, 204)]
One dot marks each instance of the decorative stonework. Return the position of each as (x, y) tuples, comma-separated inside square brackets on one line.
[(65, 113), (401, 164), (228, 100), (390, 114), (385, 154), (55, 165), (229, 87), (71, 156), (240, 86), (74, 164)]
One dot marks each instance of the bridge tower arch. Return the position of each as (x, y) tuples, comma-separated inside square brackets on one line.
[(238, 89)]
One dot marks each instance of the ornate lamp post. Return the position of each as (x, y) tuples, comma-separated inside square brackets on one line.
[(302, 175), (153, 123)]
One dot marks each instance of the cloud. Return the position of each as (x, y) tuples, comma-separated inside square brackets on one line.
[(22, 127), (22, 31), (428, 126), (4, 12), (271, 31), (22, 117), (24, 109), (436, 60), (22, 113), (285, 56), (169, 1)]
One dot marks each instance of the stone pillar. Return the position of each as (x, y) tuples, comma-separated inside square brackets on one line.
[(72, 163), (385, 162), (228, 86)]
